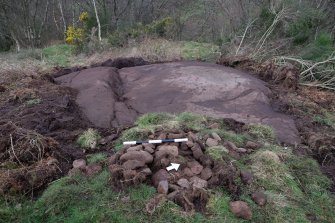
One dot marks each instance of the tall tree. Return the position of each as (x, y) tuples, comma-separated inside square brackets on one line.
[(98, 20)]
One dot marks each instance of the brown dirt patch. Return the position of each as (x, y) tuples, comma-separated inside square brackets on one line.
[(40, 121), (28, 179), (287, 77)]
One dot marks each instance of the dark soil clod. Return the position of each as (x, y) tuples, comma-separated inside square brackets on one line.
[(188, 186)]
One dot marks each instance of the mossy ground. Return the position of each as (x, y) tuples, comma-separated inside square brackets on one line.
[(295, 187)]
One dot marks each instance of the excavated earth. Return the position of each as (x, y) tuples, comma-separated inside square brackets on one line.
[(54, 111), (111, 97), (188, 186)]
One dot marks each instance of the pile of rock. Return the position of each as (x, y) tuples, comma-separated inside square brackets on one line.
[(80, 167), (188, 185)]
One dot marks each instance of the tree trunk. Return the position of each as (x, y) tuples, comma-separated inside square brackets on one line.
[(98, 20), (63, 18), (17, 43)]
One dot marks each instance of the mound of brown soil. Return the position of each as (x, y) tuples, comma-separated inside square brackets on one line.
[(188, 186), (40, 122), (22, 146), (286, 76), (28, 179)]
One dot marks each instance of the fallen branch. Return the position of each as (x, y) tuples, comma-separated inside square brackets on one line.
[(244, 34), (279, 16), (317, 74), (12, 147)]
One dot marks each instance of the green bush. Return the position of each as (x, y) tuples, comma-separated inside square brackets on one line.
[(320, 49), (266, 17), (301, 30), (117, 39), (160, 27)]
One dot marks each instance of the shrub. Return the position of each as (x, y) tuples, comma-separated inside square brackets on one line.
[(117, 39), (160, 27), (74, 35), (320, 49)]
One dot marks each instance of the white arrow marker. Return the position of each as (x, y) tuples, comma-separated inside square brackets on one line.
[(173, 166)]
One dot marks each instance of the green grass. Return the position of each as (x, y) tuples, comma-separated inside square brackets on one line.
[(216, 152), (89, 139), (133, 134), (320, 49), (295, 188), (96, 158), (81, 199), (218, 206), (191, 120), (327, 119), (149, 122), (262, 132), (195, 50), (152, 121), (58, 55)]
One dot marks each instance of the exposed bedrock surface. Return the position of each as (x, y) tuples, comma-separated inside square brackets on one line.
[(111, 97)]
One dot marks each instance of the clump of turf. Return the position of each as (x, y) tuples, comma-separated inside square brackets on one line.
[(153, 119), (191, 121), (89, 138), (262, 132), (238, 139), (150, 122), (216, 152)]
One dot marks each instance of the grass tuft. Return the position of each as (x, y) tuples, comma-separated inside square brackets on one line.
[(151, 121), (217, 152), (89, 139), (191, 120), (262, 132)]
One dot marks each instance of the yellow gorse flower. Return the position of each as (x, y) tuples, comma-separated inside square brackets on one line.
[(83, 16), (74, 35)]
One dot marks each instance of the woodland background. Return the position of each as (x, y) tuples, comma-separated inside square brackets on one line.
[(300, 32)]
